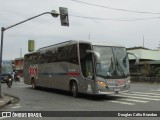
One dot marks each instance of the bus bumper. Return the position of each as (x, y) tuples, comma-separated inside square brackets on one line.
[(114, 90), (107, 93)]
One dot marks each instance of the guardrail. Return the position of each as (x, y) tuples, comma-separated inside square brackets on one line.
[(145, 79)]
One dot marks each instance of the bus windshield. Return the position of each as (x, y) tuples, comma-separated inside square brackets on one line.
[(113, 62)]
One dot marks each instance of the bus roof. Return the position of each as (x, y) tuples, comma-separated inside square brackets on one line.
[(101, 43), (93, 42)]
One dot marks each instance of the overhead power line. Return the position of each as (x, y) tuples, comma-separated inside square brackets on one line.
[(124, 10), (115, 19)]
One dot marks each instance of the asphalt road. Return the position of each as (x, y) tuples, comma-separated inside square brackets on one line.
[(142, 97)]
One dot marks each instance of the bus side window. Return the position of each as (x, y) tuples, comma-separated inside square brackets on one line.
[(68, 54), (25, 59), (39, 59), (42, 58), (54, 56), (60, 54), (48, 56), (72, 52)]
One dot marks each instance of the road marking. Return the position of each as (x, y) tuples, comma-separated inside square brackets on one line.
[(155, 90), (19, 86), (121, 102), (17, 106), (133, 100), (141, 95), (145, 98), (136, 97), (147, 93)]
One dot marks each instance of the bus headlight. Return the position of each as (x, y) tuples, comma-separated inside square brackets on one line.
[(102, 83)]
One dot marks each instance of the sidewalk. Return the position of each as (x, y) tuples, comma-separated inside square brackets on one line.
[(6, 99)]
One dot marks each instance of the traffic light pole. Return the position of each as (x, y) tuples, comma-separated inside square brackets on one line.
[(64, 22), (2, 36)]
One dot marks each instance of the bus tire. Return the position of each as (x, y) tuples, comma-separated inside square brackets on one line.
[(33, 83), (74, 89)]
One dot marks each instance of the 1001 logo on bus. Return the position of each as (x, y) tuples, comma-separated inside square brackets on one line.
[(33, 71)]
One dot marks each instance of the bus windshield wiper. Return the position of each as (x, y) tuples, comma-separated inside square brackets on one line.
[(120, 68)]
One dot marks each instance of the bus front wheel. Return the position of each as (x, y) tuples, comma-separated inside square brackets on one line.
[(74, 89)]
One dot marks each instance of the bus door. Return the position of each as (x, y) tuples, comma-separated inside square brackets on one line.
[(89, 74), (86, 67)]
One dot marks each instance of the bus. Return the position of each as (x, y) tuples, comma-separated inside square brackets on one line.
[(96, 68)]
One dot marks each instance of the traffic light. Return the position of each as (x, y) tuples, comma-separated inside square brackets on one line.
[(64, 16)]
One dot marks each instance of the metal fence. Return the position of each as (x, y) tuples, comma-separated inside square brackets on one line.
[(145, 79)]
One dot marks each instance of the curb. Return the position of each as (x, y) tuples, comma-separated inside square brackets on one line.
[(8, 99)]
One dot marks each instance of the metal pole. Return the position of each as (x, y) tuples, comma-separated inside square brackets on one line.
[(2, 34), (27, 20)]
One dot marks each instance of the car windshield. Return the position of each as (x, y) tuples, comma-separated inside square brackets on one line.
[(113, 62)]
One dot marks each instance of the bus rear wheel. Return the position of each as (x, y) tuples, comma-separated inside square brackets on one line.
[(74, 89)]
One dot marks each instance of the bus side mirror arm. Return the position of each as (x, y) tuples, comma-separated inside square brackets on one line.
[(96, 54), (136, 56)]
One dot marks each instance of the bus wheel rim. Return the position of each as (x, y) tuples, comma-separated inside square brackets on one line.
[(74, 90)]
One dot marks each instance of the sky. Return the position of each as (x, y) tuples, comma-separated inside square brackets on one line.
[(128, 22)]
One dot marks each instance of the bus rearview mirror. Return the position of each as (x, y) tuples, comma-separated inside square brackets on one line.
[(96, 54), (136, 57)]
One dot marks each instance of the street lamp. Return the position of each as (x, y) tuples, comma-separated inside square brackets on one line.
[(53, 13)]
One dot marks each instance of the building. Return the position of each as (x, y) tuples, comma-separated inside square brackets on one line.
[(149, 61), (19, 66), (144, 53)]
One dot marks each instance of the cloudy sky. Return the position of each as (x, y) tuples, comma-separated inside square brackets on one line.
[(127, 22)]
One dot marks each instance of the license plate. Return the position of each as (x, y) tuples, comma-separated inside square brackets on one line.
[(116, 89), (121, 82)]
